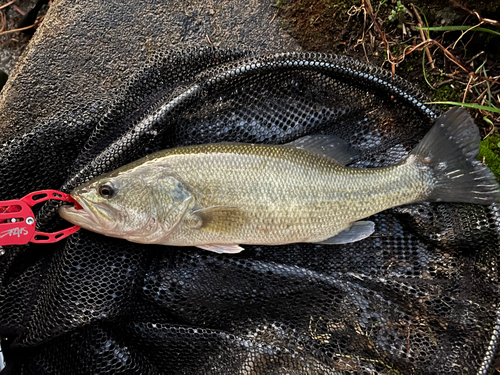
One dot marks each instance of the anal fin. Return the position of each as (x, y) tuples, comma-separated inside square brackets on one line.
[(222, 248), (356, 232)]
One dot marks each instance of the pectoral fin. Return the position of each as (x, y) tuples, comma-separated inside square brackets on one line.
[(356, 232), (222, 248), (220, 219)]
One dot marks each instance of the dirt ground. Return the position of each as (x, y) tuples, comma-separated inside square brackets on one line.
[(12, 43), (384, 33), (460, 66)]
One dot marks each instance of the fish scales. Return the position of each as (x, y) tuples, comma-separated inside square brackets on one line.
[(218, 196), (286, 194)]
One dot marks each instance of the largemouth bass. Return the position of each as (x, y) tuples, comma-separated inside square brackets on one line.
[(218, 196)]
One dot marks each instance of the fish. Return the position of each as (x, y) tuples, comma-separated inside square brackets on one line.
[(219, 196)]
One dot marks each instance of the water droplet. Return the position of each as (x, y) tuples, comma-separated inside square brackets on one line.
[(442, 166)]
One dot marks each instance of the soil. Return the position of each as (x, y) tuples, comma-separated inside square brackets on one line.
[(346, 27), (343, 27), (12, 44)]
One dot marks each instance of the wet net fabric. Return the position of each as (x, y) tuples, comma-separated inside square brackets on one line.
[(419, 296)]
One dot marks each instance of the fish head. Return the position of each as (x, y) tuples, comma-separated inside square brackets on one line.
[(140, 207)]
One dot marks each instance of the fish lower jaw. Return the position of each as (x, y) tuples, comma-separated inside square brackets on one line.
[(79, 217)]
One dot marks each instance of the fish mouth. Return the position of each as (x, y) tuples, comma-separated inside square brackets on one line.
[(80, 217), (86, 216)]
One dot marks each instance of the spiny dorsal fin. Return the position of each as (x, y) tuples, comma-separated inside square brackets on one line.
[(221, 219), (326, 145)]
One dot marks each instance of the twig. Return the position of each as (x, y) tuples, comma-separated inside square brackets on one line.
[(464, 32), (423, 36), (4, 23), (20, 29), (451, 57), (474, 57), (481, 19), (439, 84), (275, 14), (455, 79), (364, 50), (208, 39), (363, 37), (493, 128), (362, 40), (482, 95), (467, 88), (453, 76), (476, 84), (372, 39), (368, 6), (354, 11), (6, 5), (19, 10)]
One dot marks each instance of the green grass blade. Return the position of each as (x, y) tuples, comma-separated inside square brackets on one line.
[(454, 28), (469, 105), (426, 23), (423, 69), (489, 88), (480, 66)]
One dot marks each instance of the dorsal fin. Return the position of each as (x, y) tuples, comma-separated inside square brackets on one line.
[(326, 145)]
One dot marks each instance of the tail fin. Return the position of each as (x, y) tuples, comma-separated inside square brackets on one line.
[(450, 150)]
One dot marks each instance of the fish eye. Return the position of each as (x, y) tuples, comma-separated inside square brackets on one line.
[(106, 191)]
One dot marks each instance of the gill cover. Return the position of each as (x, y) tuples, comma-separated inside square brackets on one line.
[(170, 200), (140, 205)]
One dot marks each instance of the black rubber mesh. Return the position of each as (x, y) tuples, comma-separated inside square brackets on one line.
[(419, 296)]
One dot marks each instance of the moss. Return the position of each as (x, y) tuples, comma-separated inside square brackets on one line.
[(281, 3), (490, 153), (446, 93)]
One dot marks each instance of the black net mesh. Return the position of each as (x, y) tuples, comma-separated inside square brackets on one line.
[(419, 296)]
